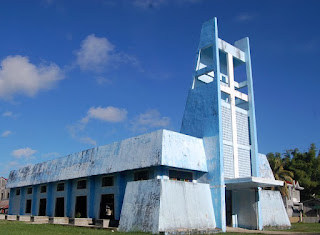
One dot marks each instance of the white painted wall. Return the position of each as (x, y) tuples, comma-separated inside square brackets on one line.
[(140, 209), (272, 209), (165, 205), (185, 205)]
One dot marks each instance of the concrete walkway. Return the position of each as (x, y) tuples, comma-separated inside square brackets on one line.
[(242, 230)]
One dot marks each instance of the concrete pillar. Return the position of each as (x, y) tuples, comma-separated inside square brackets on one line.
[(12, 195), (120, 183), (50, 202), (92, 197), (22, 200), (69, 211), (34, 204)]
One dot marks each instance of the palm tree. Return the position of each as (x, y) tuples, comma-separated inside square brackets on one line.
[(279, 172)]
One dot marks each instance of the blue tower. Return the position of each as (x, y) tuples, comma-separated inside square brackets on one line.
[(220, 109)]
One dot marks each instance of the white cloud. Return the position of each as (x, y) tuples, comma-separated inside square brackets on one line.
[(244, 17), (107, 114), (103, 80), (98, 53), (87, 140), (150, 119), (51, 155), (94, 53), (24, 152), (6, 133), (7, 114), (19, 76), (151, 4)]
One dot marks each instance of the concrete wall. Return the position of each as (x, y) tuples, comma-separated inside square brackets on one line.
[(166, 205), (185, 205), (264, 167), (244, 205), (14, 203), (272, 209), (143, 151), (183, 151), (140, 210)]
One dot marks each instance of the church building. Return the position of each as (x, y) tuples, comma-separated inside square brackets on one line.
[(207, 177)]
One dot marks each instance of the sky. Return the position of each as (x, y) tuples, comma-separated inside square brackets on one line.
[(79, 74)]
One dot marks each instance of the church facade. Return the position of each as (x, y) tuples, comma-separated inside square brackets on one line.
[(207, 177)]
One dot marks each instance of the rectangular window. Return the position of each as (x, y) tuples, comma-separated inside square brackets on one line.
[(107, 181), (180, 175), (8, 195), (1, 196), (29, 191), (28, 206), (81, 184), (141, 175), (17, 191), (43, 189), (60, 187)]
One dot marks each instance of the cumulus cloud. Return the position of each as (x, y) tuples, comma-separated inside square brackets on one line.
[(23, 153), (107, 114), (150, 119), (98, 53), (19, 76), (94, 53), (6, 133), (7, 114)]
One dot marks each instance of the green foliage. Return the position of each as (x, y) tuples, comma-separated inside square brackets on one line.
[(304, 166), (277, 166)]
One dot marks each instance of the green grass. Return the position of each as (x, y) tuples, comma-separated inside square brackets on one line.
[(305, 227), (299, 227), (21, 228)]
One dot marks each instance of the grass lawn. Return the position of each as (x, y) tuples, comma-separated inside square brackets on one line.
[(304, 227), (21, 228)]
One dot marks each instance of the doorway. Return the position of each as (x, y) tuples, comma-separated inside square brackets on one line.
[(42, 207), (229, 207), (59, 212), (81, 207), (107, 206)]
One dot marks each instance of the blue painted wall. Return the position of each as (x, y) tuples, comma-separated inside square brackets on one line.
[(202, 119)]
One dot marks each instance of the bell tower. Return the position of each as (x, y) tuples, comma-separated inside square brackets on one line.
[(220, 110)]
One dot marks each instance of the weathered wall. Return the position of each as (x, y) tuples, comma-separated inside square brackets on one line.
[(264, 167), (244, 205), (185, 205), (140, 210), (166, 205), (202, 117), (272, 209), (14, 203), (183, 151), (180, 151)]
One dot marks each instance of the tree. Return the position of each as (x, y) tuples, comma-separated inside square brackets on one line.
[(304, 166), (276, 164)]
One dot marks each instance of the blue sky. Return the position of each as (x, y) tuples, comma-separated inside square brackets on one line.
[(76, 74)]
